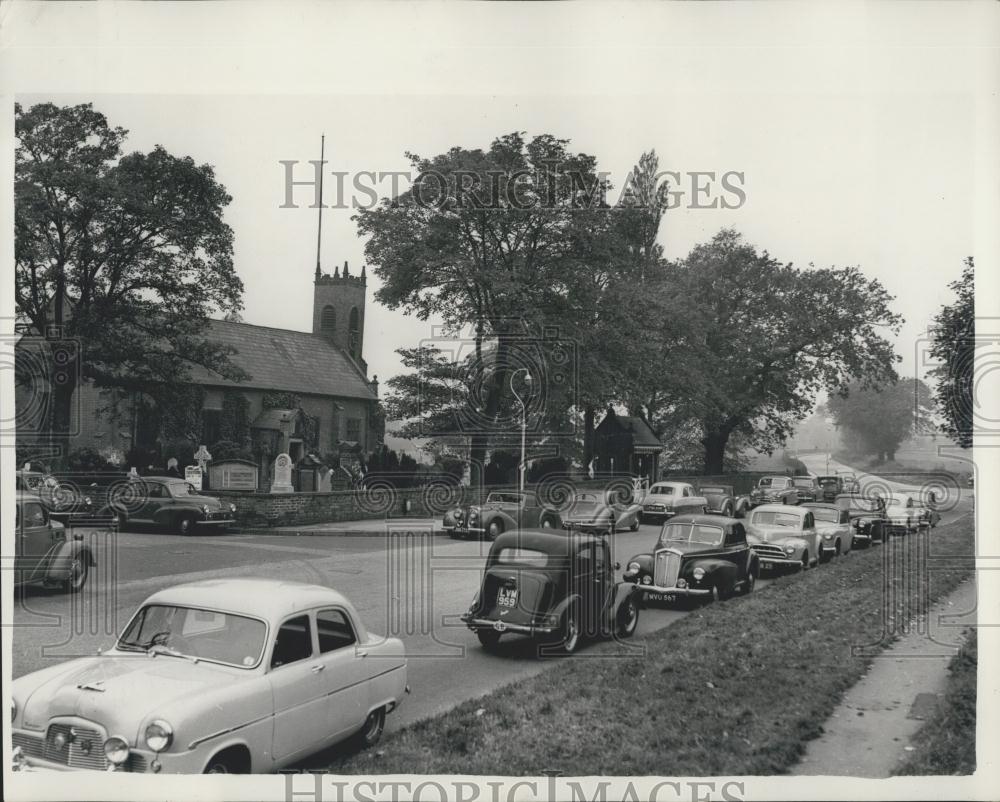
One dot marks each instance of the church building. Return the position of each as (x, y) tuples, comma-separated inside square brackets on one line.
[(307, 393)]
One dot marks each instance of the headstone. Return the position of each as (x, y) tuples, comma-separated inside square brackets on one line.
[(133, 473), (235, 474), (325, 476), (193, 476), (281, 480), (202, 456)]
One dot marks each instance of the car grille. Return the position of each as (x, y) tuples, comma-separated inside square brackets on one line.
[(83, 749), (666, 569), (767, 550), (31, 745)]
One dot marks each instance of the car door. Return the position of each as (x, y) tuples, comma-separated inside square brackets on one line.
[(34, 538), (299, 687), (153, 497), (601, 583), (347, 670), (811, 535), (582, 567)]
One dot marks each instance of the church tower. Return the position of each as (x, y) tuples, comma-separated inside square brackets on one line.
[(339, 310)]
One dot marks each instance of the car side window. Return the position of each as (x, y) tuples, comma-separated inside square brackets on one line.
[(600, 560), (333, 631), (34, 515), (807, 522), (687, 492), (154, 491), (584, 561), (293, 642)]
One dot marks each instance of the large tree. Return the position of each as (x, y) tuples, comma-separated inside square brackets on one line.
[(877, 420), (487, 240), (767, 337), (955, 347), (127, 255)]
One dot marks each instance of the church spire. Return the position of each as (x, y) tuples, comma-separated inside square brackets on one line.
[(319, 227)]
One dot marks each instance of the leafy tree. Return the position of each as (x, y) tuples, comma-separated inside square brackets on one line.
[(877, 420), (126, 254), (955, 346), (484, 239), (766, 337)]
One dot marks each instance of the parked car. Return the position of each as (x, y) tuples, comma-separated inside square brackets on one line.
[(600, 512), (553, 587), (829, 488), (774, 490), (168, 503), (667, 499), (849, 481), (43, 554), (867, 518), (502, 512), (834, 526), (904, 514), (784, 537), (215, 676), (73, 497), (722, 500), (696, 556), (807, 488)]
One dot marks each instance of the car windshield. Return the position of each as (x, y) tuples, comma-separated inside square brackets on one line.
[(857, 503), (585, 498), (717, 490), (516, 556), (192, 632), (830, 516), (661, 490), (768, 518), (802, 482), (505, 498), (773, 481), (893, 501), (691, 533), (182, 489), (828, 481)]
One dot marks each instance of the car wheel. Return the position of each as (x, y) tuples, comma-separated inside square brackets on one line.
[(727, 510), (628, 618), (716, 594), (185, 525), (635, 525), (78, 572), (748, 583), (488, 638), (570, 631), (805, 561), (494, 529), (371, 732)]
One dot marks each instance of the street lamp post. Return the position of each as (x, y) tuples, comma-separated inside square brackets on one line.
[(524, 423)]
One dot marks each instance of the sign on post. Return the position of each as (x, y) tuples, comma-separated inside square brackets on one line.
[(193, 476)]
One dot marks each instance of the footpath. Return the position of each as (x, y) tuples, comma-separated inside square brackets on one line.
[(372, 527), (870, 732)]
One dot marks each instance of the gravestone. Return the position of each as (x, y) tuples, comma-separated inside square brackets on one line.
[(193, 476), (281, 480), (324, 475), (233, 474)]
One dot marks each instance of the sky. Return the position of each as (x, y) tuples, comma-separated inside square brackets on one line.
[(864, 132)]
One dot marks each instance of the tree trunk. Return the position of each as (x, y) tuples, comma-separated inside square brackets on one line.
[(715, 452), (588, 436)]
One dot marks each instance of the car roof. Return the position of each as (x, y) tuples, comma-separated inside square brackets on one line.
[(270, 599), (817, 505), (704, 519), (547, 540), (671, 484), (790, 508)]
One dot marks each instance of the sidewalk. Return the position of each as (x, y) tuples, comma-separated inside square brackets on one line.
[(870, 731), (370, 527)]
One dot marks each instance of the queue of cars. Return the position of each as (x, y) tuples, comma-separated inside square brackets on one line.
[(253, 675)]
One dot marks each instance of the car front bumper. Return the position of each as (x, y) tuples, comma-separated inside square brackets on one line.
[(769, 561), (659, 590), (216, 522)]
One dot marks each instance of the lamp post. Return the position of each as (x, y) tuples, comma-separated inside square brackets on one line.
[(524, 423)]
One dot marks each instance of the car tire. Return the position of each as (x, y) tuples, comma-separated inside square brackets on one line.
[(494, 530), (371, 731), (628, 618), (716, 594), (635, 525), (488, 638), (727, 510), (78, 573), (805, 561), (749, 583), (569, 637), (185, 525)]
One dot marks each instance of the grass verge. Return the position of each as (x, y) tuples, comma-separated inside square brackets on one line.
[(946, 744), (733, 688)]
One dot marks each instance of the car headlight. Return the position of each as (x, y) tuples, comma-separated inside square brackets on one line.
[(698, 573), (633, 568), (204, 508), (789, 549), (159, 735), (827, 537), (647, 580), (232, 508), (116, 750), (87, 501)]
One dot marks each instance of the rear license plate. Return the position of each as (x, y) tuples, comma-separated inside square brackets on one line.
[(507, 597), (665, 598), (766, 564)]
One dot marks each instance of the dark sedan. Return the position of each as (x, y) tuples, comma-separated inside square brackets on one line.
[(167, 503)]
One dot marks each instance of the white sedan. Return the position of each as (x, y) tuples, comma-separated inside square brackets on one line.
[(216, 676)]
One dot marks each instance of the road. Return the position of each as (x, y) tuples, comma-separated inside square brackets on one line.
[(409, 581)]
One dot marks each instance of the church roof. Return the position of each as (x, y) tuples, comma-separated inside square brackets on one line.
[(281, 359), (642, 434)]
